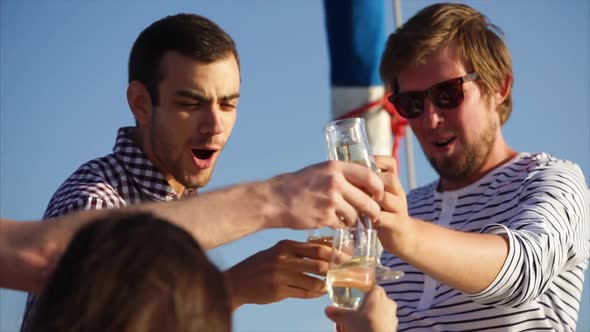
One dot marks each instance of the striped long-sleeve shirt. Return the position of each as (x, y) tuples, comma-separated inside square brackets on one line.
[(541, 204)]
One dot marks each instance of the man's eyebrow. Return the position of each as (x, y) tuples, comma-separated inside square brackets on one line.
[(230, 97), (195, 94)]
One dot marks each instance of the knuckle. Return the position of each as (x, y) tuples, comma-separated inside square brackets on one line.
[(352, 216), (321, 252), (332, 201), (332, 165), (388, 177), (315, 286), (315, 250), (274, 263), (380, 183), (366, 207), (318, 288), (283, 244), (373, 207), (315, 266), (333, 183), (332, 194), (379, 291), (322, 267), (325, 252)]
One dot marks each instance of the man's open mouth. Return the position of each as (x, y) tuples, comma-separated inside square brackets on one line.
[(444, 142), (203, 154)]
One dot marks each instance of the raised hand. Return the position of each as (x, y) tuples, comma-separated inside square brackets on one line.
[(394, 220), (331, 194), (278, 273), (378, 313)]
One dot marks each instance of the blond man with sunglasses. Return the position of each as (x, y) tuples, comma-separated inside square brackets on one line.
[(501, 240)]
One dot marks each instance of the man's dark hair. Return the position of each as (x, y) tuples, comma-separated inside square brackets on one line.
[(189, 34)]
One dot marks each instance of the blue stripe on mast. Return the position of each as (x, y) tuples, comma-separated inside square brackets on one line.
[(356, 38)]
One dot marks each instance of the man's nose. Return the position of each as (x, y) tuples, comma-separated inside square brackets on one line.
[(432, 117), (211, 121)]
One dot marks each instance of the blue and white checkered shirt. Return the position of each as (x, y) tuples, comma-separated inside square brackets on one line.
[(121, 178)]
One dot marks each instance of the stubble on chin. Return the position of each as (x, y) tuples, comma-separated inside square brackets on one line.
[(462, 167), (455, 169), (195, 182)]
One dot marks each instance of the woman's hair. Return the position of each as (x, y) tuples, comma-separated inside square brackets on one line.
[(134, 273)]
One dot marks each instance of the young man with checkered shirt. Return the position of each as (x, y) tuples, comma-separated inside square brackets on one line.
[(184, 86)]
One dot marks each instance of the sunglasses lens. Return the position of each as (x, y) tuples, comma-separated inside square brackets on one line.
[(448, 95), (408, 105)]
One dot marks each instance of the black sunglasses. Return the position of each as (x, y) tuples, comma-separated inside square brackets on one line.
[(447, 94)]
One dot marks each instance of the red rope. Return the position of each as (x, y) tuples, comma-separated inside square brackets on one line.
[(398, 123)]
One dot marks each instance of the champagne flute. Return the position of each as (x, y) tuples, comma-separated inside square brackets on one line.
[(321, 236), (351, 273), (347, 140)]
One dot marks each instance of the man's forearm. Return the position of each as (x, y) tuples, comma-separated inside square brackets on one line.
[(25, 255), (221, 216), (28, 250), (468, 262)]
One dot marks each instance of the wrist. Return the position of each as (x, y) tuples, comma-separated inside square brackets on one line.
[(232, 286), (262, 203), (408, 238), (401, 239), (273, 207)]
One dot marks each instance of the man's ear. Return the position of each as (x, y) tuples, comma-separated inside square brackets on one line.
[(140, 103), (502, 93)]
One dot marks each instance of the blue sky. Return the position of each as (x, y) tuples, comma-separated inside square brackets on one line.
[(62, 98)]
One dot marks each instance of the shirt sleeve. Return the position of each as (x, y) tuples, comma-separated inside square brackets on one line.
[(65, 202), (76, 198), (548, 234)]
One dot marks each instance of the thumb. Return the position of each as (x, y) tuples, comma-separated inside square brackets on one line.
[(338, 315)]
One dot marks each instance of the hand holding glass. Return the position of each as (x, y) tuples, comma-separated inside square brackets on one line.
[(347, 140), (352, 267)]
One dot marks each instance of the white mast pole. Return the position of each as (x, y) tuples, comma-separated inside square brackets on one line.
[(397, 11)]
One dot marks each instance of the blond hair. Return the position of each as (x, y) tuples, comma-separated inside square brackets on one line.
[(479, 44)]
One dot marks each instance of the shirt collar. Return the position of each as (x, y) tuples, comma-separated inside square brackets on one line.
[(148, 178)]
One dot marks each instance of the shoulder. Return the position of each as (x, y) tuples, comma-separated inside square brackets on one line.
[(545, 167), (555, 181), (92, 186)]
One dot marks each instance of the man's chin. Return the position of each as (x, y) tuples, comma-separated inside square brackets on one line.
[(199, 181), (447, 168)]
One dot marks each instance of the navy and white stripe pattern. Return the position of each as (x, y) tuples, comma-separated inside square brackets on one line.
[(121, 178), (542, 204)]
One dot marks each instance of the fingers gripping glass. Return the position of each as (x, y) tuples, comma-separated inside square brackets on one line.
[(347, 140), (447, 94), (352, 266)]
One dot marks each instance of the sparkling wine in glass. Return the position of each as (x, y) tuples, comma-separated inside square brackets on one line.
[(347, 140), (321, 236), (352, 266)]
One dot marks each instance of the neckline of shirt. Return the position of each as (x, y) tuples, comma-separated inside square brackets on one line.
[(467, 189)]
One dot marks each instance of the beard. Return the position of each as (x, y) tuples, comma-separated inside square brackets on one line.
[(459, 168)]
